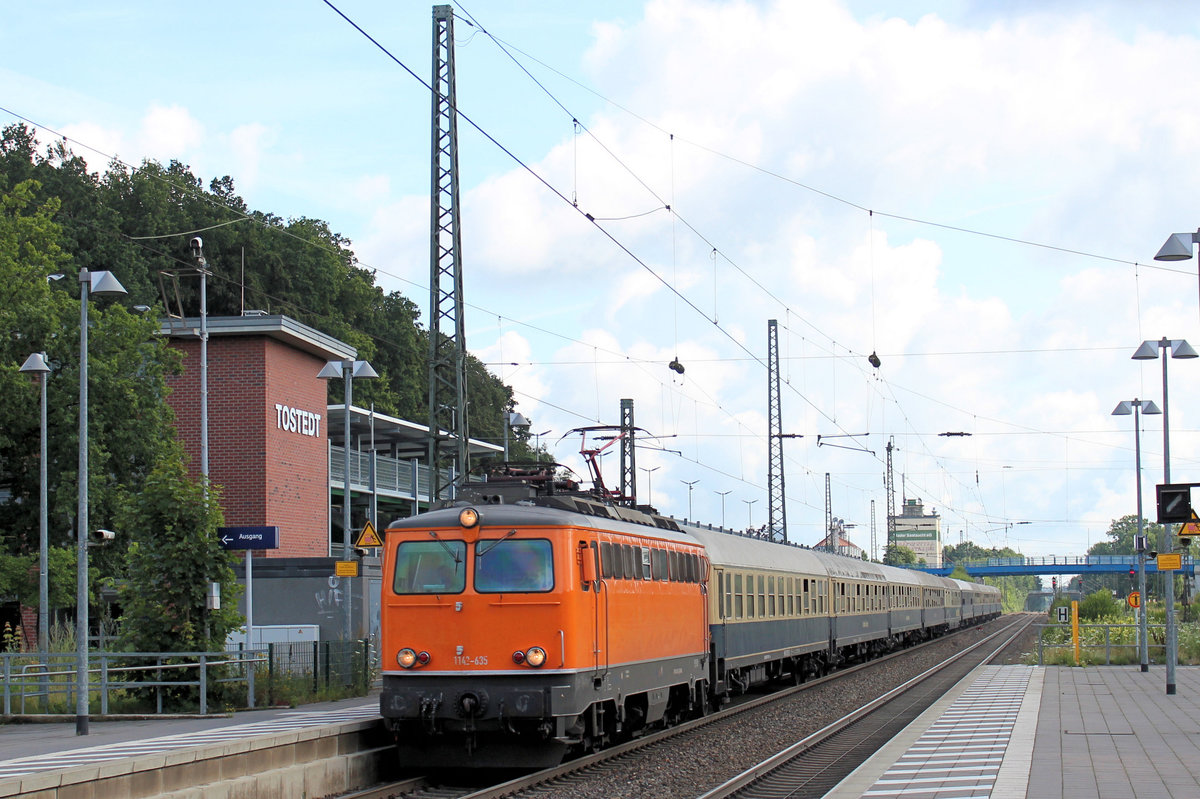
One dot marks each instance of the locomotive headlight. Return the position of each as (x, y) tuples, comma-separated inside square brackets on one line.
[(535, 656), (407, 658), (468, 517)]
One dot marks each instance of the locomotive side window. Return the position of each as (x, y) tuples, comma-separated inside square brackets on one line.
[(430, 567), (738, 607), (646, 573), (514, 566), (606, 565)]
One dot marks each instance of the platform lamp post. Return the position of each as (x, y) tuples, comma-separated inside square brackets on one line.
[(1148, 351), (36, 365), (513, 420), (722, 495), (690, 484), (1124, 409), (649, 485), (749, 513), (347, 369), (98, 284)]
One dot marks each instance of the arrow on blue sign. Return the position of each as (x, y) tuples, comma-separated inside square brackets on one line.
[(266, 537)]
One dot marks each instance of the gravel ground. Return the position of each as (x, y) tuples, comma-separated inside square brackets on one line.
[(687, 767)]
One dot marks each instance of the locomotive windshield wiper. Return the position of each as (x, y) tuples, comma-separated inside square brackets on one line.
[(481, 550), (453, 555)]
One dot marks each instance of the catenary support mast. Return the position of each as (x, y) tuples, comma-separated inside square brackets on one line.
[(447, 337), (776, 495)]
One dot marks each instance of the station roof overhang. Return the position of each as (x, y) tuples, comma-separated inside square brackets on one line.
[(392, 436), (281, 328)]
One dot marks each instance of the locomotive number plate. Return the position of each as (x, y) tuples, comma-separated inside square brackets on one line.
[(467, 660)]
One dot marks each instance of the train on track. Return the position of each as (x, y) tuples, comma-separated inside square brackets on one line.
[(527, 620)]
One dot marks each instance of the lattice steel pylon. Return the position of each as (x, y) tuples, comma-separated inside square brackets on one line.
[(830, 546), (890, 488), (874, 554), (776, 495), (447, 337), (628, 458)]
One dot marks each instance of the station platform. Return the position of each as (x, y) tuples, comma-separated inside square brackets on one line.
[(1022, 732), (47, 759)]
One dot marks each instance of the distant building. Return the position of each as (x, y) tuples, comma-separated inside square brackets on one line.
[(919, 531), (841, 546)]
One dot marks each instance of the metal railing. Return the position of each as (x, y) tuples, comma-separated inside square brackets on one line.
[(1059, 560), (173, 681), (1127, 643)]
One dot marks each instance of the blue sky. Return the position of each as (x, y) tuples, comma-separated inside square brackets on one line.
[(973, 190)]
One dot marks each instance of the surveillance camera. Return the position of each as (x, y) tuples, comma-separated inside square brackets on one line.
[(1152, 554), (103, 535)]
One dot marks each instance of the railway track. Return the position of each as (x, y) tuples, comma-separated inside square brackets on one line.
[(814, 766), (611, 764)]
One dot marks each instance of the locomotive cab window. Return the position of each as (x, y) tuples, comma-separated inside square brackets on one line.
[(514, 565), (430, 567)]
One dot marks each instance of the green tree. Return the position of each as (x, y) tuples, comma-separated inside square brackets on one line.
[(174, 555), (896, 555), (1121, 533), (129, 420)]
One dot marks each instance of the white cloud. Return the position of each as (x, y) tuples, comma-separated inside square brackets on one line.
[(169, 132)]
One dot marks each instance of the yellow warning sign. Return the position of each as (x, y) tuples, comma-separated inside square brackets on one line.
[(1170, 562), (345, 568), (368, 537), (1192, 528)]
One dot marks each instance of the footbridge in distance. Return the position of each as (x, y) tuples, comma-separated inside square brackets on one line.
[(1056, 564)]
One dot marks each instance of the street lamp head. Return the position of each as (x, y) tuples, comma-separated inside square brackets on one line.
[(1148, 351), (516, 419), (330, 370), (36, 363), (1177, 248), (1150, 409), (363, 369), (104, 284), (1123, 409), (1181, 349)]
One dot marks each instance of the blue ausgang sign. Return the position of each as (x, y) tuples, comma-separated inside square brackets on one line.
[(248, 537)]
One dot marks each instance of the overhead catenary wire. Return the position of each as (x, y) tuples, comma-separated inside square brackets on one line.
[(714, 314)]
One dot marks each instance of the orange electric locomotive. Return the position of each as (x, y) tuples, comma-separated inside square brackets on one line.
[(514, 631)]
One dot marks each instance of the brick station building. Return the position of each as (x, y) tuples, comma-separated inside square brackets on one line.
[(275, 451), (267, 420)]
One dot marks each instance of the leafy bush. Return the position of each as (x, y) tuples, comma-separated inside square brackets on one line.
[(1100, 605)]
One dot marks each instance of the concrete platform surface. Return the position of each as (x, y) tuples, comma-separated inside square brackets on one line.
[(1013, 732), (26, 747)]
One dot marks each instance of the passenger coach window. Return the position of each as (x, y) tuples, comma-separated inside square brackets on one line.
[(514, 565), (430, 567)]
